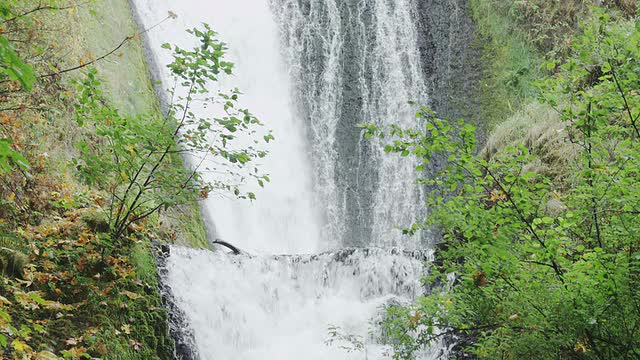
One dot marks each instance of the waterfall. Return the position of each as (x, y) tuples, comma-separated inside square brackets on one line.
[(311, 70), (356, 61)]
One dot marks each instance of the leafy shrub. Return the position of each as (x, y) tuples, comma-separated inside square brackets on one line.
[(132, 158), (528, 282)]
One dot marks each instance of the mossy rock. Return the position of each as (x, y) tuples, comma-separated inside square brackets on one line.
[(12, 262), (96, 220)]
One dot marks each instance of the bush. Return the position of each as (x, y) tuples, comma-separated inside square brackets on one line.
[(132, 158), (528, 282)]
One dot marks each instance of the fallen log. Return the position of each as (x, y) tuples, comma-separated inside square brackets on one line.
[(234, 249)]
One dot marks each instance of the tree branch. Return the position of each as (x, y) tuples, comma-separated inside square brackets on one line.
[(41, 7)]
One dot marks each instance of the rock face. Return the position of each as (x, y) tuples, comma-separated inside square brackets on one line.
[(450, 58), (179, 330)]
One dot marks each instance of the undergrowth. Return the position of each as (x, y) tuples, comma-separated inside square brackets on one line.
[(67, 290), (516, 37)]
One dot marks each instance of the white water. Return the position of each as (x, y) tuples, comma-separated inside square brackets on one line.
[(284, 218), (375, 41), (263, 307), (280, 308)]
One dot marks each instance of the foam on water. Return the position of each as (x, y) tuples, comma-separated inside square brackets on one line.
[(281, 307)]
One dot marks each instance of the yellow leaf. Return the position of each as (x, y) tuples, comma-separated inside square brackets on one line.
[(130, 295), (415, 319), (580, 347), (34, 248), (126, 328), (91, 331), (75, 352), (5, 319), (131, 149), (11, 197), (20, 346)]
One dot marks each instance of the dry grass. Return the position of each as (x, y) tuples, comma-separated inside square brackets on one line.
[(538, 128)]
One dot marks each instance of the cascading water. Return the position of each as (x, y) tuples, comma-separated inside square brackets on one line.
[(310, 70), (282, 307), (285, 219), (356, 61)]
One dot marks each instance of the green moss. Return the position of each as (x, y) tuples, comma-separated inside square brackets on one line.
[(96, 220), (145, 316), (126, 75), (510, 64), (144, 264), (12, 262)]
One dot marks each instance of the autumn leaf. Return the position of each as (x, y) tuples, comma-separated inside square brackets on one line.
[(415, 319), (72, 342), (74, 353), (498, 196), (130, 295), (20, 346), (580, 347), (136, 345), (29, 301), (5, 318), (91, 331), (4, 301)]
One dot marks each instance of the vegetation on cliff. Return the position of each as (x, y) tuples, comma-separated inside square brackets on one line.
[(540, 254), (91, 177)]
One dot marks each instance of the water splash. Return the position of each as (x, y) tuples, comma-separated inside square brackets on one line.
[(280, 307)]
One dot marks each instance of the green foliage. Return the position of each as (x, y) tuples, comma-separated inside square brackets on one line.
[(132, 158), (10, 158), (510, 63), (520, 281), (12, 67), (77, 292)]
